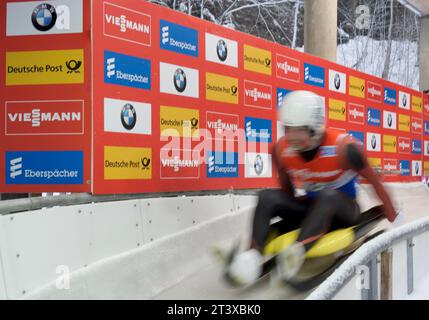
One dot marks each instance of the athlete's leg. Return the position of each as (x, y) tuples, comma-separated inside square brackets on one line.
[(273, 203), (327, 206)]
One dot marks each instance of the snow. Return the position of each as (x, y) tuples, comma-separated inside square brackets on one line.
[(404, 59)]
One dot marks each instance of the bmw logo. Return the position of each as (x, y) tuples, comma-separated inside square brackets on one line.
[(222, 50), (128, 116), (373, 142), (44, 17), (427, 148), (404, 100), (417, 168), (179, 80), (337, 81), (258, 165), (389, 120)]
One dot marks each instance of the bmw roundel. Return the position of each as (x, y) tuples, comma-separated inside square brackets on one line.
[(44, 17), (404, 100), (222, 50), (337, 81), (128, 116), (179, 80), (417, 168), (389, 120), (373, 142), (258, 165)]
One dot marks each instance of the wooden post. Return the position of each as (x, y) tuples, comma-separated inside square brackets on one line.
[(386, 275)]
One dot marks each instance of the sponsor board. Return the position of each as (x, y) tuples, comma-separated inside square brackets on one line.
[(374, 91), (127, 163), (404, 123), (125, 116), (404, 145), (374, 163), (179, 164), (257, 60), (416, 146), (390, 167), (416, 125), (426, 148), (356, 87), (288, 68), (337, 110), (404, 100), (389, 120), (221, 88), (358, 135), (44, 17), (178, 80), (179, 121), (337, 81), (44, 167), (222, 164), (258, 165), (356, 113), (49, 117), (404, 167), (416, 104), (314, 75), (128, 71), (221, 50), (373, 142), (390, 96), (258, 130), (389, 143), (281, 93), (44, 67), (127, 24), (257, 95), (373, 117), (416, 168), (222, 125), (177, 38)]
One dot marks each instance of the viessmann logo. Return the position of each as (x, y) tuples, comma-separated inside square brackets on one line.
[(416, 125), (288, 68), (374, 91), (257, 94), (44, 117), (356, 113), (221, 124), (404, 145), (179, 164), (127, 24)]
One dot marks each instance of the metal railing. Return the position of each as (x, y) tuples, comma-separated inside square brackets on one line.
[(367, 256), (34, 203)]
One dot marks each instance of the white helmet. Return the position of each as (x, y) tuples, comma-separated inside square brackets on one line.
[(304, 109)]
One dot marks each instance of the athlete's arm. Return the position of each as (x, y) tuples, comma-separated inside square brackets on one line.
[(284, 178), (352, 157)]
